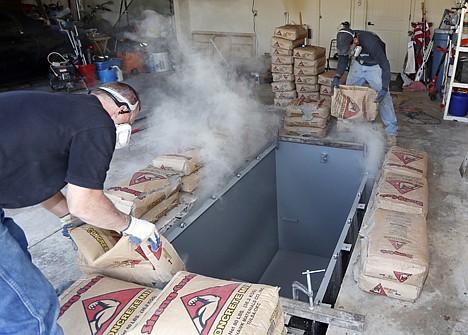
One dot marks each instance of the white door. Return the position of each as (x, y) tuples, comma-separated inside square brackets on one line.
[(391, 21)]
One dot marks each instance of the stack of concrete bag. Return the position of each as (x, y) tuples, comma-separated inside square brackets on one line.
[(285, 39), (352, 104), (150, 189), (325, 80), (187, 162), (307, 118), (309, 62), (190, 304), (394, 244)]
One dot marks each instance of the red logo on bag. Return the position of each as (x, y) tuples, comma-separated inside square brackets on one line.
[(406, 158), (403, 186), (397, 244), (143, 177), (352, 108), (103, 309), (378, 290), (205, 305), (401, 276)]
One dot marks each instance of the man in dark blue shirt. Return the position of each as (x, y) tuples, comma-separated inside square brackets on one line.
[(370, 65), (49, 141)]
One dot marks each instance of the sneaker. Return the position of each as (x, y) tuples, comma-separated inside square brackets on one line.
[(391, 140)]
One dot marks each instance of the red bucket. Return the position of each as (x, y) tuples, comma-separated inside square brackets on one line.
[(89, 73)]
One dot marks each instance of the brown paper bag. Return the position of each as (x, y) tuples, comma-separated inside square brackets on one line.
[(291, 32), (305, 131), (195, 304), (406, 161), (283, 86), (310, 52), (307, 109), (309, 71), (101, 305), (299, 62), (104, 252), (286, 95), (283, 77), (282, 43), (287, 60), (307, 80), (281, 52), (354, 103)]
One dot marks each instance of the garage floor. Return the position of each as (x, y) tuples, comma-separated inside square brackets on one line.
[(443, 305)]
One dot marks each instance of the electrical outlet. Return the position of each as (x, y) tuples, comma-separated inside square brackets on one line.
[(255, 12)]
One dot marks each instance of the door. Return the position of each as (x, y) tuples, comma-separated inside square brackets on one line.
[(391, 21)]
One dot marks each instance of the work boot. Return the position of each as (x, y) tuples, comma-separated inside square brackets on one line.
[(391, 140)]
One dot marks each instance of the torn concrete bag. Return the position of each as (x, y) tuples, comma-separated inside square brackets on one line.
[(326, 78), (143, 190), (287, 60), (283, 86), (190, 182), (308, 109), (305, 131), (277, 68), (406, 161), (309, 71), (195, 304), (402, 193), (286, 95), (310, 52), (298, 62), (282, 43), (281, 52), (354, 103), (184, 162), (283, 77), (395, 247), (101, 305), (307, 80), (105, 252), (302, 88), (291, 32), (161, 209), (316, 122)]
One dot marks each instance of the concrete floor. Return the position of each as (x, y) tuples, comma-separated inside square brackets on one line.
[(443, 305)]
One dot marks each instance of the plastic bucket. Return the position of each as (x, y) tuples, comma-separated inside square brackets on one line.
[(108, 63), (161, 62), (89, 73), (107, 75), (458, 104)]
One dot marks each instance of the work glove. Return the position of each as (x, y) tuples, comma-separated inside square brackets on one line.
[(140, 230), (69, 221), (381, 95), (335, 83)]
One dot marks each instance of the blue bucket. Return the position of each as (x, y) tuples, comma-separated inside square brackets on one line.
[(108, 63), (458, 104), (107, 75)]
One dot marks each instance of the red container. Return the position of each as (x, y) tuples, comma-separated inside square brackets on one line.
[(89, 74)]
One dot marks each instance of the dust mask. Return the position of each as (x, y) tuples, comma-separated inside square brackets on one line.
[(123, 133)]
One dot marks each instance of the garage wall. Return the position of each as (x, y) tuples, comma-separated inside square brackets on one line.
[(236, 16)]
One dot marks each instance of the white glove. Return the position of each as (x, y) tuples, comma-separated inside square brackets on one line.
[(69, 221), (140, 230)]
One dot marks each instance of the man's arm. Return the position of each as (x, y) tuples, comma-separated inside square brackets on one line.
[(95, 208)]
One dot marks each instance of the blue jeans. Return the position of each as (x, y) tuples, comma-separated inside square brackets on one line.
[(358, 75), (28, 302)]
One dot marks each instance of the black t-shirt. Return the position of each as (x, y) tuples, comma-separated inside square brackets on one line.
[(48, 140)]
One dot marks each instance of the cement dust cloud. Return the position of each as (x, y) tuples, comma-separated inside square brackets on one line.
[(203, 103)]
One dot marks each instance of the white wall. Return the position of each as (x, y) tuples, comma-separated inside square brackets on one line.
[(236, 16)]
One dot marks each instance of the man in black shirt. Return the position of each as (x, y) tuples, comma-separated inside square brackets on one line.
[(49, 141), (370, 65)]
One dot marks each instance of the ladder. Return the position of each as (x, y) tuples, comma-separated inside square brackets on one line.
[(453, 83)]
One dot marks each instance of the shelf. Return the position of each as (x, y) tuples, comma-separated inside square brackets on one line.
[(460, 85), (463, 49), (456, 118)]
